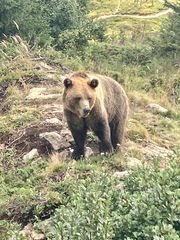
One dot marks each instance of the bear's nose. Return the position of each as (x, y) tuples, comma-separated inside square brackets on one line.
[(86, 111)]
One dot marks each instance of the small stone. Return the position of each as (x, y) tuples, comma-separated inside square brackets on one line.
[(122, 174), (2, 146), (89, 152), (133, 163), (53, 138), (37, 236), (54, 121), (31, 155), (26, 230), (156, 108)]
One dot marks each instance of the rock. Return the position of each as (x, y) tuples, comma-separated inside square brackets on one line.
[(32, 154), (66, 132), (153, 151), (122, 174), (48, 96), (35, 93), (55, 121), (37, 236), (39, 93), (133, 163), (156, 108), (53, 138), (53, 107), (44, 66), (49, 76), (89, 152), (29, 233), (2, 146), (26, 232)]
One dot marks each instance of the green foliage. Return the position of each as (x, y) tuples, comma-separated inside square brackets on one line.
[(28, 17), (44, 22), (10, 231), (71, 40), (87, 214), (146, 207), (169, 37), (130, 54)]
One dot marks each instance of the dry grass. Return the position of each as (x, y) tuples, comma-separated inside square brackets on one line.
[(136, 131), (57, 164)]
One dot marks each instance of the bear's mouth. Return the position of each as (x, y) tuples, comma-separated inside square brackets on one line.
[(85, 115)]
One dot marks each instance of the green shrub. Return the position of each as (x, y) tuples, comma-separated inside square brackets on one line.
[(145, 206), (130, 54), (44, 22), (168, 39), (10, 231)]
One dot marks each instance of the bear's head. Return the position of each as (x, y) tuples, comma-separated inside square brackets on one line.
[(80, 94)]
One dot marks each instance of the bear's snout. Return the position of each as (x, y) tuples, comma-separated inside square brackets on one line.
[(86, 111)]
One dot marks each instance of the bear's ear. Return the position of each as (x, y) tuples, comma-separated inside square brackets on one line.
[(67, 82), (94, 83)]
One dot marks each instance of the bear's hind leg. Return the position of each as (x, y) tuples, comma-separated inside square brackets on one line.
[(117, 134), (102, 130)]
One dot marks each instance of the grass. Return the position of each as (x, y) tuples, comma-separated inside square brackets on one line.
[(19, 118), (110, 7)]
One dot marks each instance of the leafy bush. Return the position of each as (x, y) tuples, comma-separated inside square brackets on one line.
[(130, 54), (28, 17), (145, 206), (44, 22), (169, 36), (10, 231)]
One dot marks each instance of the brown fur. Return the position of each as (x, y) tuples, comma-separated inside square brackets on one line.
[(107, 105)]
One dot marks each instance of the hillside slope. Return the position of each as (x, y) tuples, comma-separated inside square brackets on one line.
[(133, 194)]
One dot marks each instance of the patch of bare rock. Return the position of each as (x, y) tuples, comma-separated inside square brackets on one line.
[(55, 121), (154, 107), (41, 93), (152, 151), (29, 233)]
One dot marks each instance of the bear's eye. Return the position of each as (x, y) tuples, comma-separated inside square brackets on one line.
[(89, 98), (77, 98)]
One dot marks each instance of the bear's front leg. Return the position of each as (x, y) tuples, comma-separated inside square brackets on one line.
[(79, 131), (79, 138), (102, 130)]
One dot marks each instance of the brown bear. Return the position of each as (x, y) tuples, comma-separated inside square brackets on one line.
[(98, 103)]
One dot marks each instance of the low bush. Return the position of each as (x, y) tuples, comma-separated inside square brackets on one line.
[(129, 54), (146, 205)]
